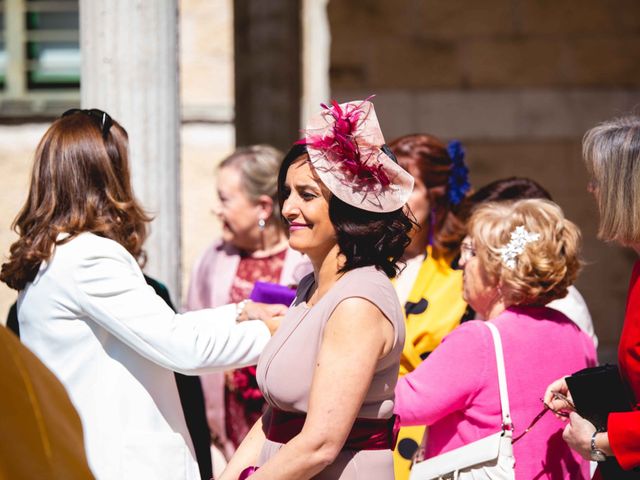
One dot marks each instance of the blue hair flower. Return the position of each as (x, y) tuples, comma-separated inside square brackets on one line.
[(459, 176)]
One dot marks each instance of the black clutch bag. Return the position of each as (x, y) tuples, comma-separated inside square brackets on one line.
[(597, 392)]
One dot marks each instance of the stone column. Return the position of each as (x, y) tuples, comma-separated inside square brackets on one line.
[(316, 53), (14, 30), (267, 71), (130, 69)]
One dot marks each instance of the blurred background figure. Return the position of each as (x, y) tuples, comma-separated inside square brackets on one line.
[(516, 258), (253, 247), (41, 433), (430, 285), (520, 188)]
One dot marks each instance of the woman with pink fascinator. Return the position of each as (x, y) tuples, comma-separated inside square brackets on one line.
[(329, 372)]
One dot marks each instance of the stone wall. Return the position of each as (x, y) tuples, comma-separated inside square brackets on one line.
[(203, 145), (206, 86), (519, 82)]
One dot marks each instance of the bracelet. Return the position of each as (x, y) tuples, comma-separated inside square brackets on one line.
[(596, 455), (240, 306)]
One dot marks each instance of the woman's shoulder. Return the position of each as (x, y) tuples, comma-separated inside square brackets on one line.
[(533, 313), (365, 281), (217, 252), (473, 332), (217, 248), (89, 244), (372, 285), (73, 256), (369, 274), (87, 255)]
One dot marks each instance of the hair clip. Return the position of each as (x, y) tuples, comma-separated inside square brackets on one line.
[(459, 177), (519, 240)]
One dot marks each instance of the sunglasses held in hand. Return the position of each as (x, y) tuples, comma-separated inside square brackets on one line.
[(560, 412)]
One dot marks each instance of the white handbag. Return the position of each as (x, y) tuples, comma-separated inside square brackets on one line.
[(490, 458)]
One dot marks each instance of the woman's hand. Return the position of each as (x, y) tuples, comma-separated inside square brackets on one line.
[(578, 435), (270, 314), (558, 398)]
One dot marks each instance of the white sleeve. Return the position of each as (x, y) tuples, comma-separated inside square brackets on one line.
[(111, 290)]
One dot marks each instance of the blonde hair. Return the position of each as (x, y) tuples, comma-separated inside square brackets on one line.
[(258, 166), (611, 152), (546, 267)]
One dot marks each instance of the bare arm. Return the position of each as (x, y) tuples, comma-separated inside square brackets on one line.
[(355, 337), (248, 452)]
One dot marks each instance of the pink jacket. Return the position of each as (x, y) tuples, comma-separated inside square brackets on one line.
[(455, 390), (211, 280)]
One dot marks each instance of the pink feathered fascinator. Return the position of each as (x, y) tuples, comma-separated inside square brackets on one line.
[(347, 151)]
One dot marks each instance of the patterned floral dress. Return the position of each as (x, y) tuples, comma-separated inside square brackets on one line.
[(244, 404)]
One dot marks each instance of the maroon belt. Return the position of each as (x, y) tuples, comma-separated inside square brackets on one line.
[(366, 433)]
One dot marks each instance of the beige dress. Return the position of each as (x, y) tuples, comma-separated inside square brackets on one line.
[(286, 366)]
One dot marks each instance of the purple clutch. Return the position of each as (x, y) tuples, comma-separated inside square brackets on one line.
[(265, 292)]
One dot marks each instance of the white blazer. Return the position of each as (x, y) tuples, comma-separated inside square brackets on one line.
[(92, 319)]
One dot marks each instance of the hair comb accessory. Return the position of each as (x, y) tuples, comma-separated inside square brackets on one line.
[(348, 152), (519, 240), (459, 176)]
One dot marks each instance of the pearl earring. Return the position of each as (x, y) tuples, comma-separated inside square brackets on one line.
[(261, 224)]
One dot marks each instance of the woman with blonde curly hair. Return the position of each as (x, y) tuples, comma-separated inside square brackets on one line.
[(516, 258)]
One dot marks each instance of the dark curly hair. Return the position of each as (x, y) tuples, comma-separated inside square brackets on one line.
[(364, 238)]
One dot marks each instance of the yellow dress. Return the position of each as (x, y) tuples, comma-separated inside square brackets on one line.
[(434, 308)]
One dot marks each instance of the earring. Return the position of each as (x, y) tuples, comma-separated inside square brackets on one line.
[(261, 224)]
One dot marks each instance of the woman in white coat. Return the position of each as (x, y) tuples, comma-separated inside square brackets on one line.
[(85, 309)]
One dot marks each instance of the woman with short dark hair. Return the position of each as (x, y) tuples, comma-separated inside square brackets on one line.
[(329, 371)]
